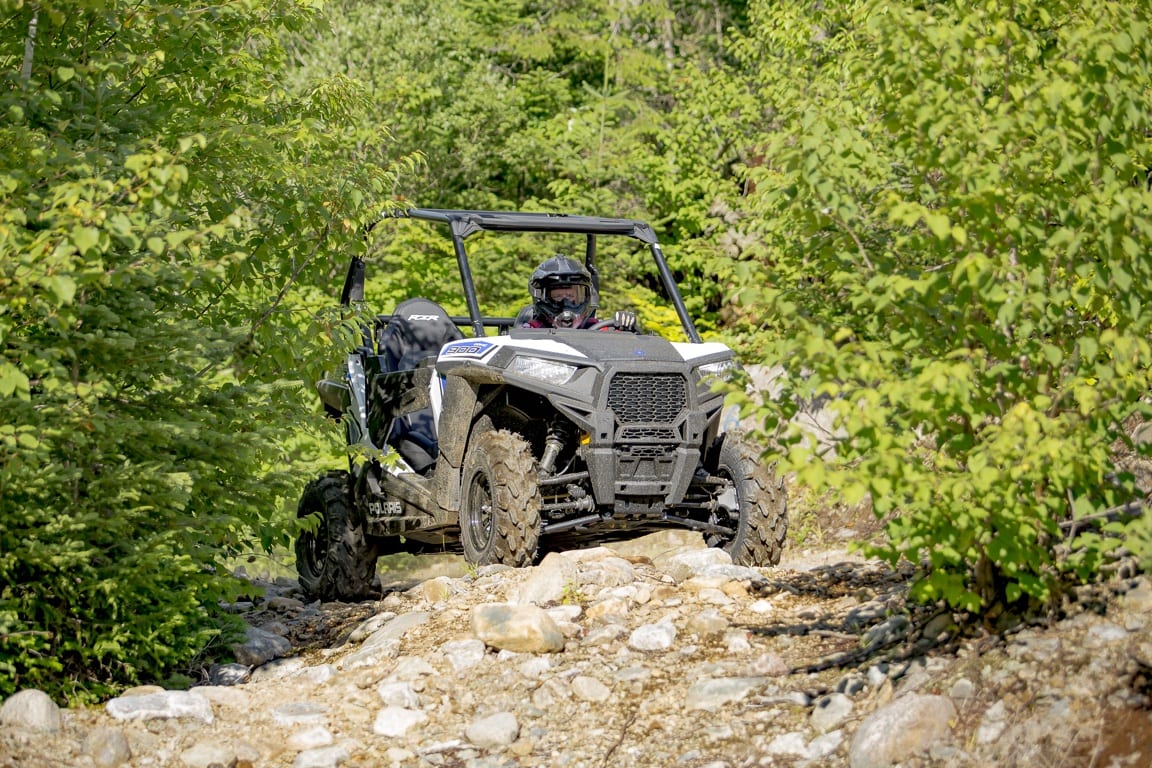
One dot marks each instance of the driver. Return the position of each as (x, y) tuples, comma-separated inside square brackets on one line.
[(563, 297)]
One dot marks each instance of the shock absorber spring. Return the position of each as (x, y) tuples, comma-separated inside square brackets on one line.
[(559, 433)]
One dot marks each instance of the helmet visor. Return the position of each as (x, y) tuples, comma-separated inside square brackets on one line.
[(574, 296)]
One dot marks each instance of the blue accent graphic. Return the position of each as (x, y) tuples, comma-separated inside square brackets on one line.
[(471, 348)]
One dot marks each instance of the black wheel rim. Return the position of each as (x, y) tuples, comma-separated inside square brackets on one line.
[(478, 527), (314, 548)]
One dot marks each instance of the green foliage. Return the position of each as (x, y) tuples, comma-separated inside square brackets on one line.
[(592, 107), (164, 202), (955, 209)]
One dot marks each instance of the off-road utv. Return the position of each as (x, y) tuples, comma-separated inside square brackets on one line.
[(506, 442)]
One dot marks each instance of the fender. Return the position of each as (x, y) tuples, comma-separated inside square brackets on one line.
[(452, 433)]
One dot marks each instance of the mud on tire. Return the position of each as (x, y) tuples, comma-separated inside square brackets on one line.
[(756, 503), (337, 561), (500, 509)]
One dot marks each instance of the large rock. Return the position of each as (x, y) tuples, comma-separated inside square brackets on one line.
[(260, 646), (520, 628), (166, 705), (33, 710), (906, 727), (549, 582)]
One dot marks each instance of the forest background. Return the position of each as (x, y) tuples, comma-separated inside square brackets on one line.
[(934, 215)]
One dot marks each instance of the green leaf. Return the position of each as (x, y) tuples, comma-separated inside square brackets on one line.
[(938, 224), (13, 381), (85, 238)]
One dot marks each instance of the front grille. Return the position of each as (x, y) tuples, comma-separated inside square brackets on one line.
[(647, 398), (647, 451), (647, 433)]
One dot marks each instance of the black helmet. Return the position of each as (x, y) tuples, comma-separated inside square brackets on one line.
[(561, 271)]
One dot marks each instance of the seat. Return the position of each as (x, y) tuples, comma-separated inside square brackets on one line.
[(413, 336), (526, 315), (417, 330)]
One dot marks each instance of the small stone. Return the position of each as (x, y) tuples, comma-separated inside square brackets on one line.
[(823, 746), (369, 626), (207, 754), (993, 724), (789, 744), (612, 606), (877, 675), (411, 668), (284, 604), (851, 684), (604, 634), (550, 693), (278, 668), (712, 693), (398, 755), (561, 613), (609, 572), (108, 747), (310, 738), (707, 623), (33, 710), (761, 607), (397, 721), (228, 674), (463, 654), (735, 590), (317, 675), (398, 694), (589, 689), (300, 713), (433, 591), (225, 696), (652, 637), (962, 689), (534, 667), (737, 641), (322, 757), (770, 665), (830, 711), (1105, 633), (697, 560), (494, 732)]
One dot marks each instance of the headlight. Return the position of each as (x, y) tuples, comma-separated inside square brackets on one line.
[(545, 370), (721, 370)]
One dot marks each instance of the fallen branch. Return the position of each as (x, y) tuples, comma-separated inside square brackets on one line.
[(1124, 512)]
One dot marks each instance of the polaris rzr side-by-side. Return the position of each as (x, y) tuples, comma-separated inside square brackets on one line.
[(510, 441)]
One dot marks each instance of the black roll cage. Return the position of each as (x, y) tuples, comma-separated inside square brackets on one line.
[(464, 224)]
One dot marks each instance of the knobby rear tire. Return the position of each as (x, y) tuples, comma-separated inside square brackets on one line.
[(337, 561)]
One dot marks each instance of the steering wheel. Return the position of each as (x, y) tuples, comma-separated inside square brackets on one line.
[(610, 323)]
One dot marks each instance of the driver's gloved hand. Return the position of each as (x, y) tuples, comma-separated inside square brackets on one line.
[(625, 320)]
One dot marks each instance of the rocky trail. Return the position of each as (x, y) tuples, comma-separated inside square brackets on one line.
[(653, 653)]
